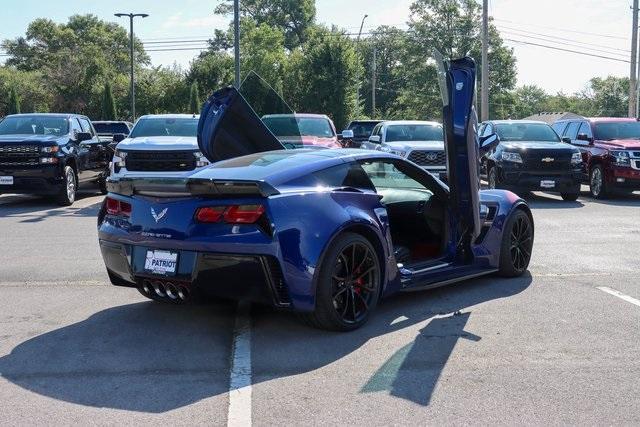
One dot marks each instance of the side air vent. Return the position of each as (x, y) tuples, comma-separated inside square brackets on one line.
[(276, 281)]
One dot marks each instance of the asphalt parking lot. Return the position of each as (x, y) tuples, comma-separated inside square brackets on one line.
[(559, 345)]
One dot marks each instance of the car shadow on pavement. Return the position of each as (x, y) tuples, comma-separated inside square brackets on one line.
[(37, 209), (145, 357), (413, 371), (632, 199), (548, 201), (150, 357)]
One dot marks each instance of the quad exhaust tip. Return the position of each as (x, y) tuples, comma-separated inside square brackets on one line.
[(165, 291)]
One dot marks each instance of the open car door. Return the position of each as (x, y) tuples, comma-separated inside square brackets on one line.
[(230, 122), (457, 85)]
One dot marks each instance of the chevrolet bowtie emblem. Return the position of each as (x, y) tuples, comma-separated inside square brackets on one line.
[(158, 216), (548, 159)]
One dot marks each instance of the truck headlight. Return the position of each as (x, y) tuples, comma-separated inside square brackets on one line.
[(120, 158), (576, 158), (201, 160), (621, 158), (508, 156), (50, 150)]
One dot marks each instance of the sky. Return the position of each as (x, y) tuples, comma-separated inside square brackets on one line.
[(598, 27)]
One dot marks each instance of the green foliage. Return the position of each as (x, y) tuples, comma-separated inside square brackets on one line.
[(34, 96), (14, 102), (211, 70), (161, 90), (292, 17), (194, 99), (108, 104)]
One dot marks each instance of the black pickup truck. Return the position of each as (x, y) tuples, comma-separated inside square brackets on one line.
[(51, 154)]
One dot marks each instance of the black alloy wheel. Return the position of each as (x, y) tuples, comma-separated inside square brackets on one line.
[(67, 194), (517, 243), (597, 184), (348, 284)]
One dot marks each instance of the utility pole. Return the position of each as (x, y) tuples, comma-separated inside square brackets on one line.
[(373, 84), (358, 74), (634, 56), (236, 40), (484, 84), (133, 88)]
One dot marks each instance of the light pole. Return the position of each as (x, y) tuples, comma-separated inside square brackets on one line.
[(236, 41), (133, 90), (358, 70)]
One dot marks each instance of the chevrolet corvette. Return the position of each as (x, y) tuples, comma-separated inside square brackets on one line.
[(325, 233)]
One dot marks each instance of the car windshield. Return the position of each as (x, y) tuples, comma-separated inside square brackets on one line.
[(34, 125), (111, 128), (294, 126), (617, 130), (361, 129), (165, 126), (396, 133), (526, 132)]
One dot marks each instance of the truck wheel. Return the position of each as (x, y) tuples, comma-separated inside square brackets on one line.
[(67, 194), (492, 177), (102, 184), (597, 184)]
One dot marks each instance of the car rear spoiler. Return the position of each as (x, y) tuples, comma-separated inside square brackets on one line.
[(185, 187)]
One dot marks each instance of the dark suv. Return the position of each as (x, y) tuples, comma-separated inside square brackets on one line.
[(610, 150), (531, 157), (50, 154), (361, 131)]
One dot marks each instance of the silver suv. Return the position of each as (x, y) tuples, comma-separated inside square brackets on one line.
[(421, 142)]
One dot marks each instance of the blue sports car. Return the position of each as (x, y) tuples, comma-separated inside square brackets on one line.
[(326, 233)]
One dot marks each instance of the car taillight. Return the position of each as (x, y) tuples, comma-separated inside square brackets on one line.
[(235, 214), (243, 214), (210, 214), (117, 207)]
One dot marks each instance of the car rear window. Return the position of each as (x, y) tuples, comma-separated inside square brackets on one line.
[(165, 126), (111, 128)]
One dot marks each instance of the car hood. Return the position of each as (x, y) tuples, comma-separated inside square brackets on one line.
[(537, 146), (159, 143), (416, 145), (622, 143), (31, 139), (309, 141)]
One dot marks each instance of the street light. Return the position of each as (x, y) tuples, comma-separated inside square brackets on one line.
[(133, 91), (358, 76)]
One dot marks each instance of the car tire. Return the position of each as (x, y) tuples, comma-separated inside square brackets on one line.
[(516, 245), (102, 185), (67, 194), (570, 197), (337, 294), (597, 184)]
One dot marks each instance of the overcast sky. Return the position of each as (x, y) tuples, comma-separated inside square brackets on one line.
[(598, 27)]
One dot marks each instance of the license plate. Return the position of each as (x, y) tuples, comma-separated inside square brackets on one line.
[(6, 180), (547, 183), (161, 262)]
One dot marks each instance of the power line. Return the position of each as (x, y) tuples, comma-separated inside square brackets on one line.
[(564, 30), (566, 50), (548, 39)]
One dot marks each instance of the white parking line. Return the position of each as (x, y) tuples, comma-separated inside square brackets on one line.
[(620, 295), (240, 373)]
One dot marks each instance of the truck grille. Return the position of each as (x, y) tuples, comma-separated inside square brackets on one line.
[(160, 161), (19, 155), (560, 162), (428, 158)]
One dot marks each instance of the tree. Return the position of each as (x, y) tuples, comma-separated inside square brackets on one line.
[(14, 102), (34, 94), (324, 76), (293, 17), (212, 70), (194, 99), (75, 59), (527, 100), (161, 90), (108, 104)]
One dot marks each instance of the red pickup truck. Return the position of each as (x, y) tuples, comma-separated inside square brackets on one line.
[(610, 152)]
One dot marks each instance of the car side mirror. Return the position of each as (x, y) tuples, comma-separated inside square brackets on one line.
[(584, 137), (347, 134), (375, 139), (83, 136), (117, 137), (566, 139), (487, 143)]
